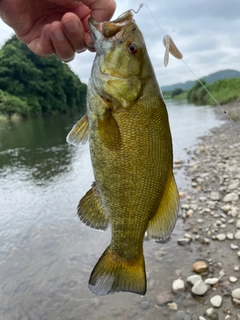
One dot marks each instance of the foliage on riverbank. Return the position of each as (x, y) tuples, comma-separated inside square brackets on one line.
[(30, 85), (224, 91)]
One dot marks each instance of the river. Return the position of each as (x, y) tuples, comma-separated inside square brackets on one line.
[(46, 253)]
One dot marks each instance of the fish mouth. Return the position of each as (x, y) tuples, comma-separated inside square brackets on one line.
[(109, 30)]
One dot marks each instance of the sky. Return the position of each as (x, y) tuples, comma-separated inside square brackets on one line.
[(205, 31)]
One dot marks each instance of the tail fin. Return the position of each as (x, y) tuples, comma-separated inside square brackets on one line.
[(112, 274)]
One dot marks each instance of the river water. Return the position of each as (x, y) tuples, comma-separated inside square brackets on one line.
[(46, 253)]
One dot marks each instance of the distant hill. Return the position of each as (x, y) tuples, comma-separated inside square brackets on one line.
[(224, 74)]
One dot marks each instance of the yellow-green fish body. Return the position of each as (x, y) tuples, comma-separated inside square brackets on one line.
[(131, 152)]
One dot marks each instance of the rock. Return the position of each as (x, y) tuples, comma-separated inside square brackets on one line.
[(221, 237), (185, 206), (145, 305), (233, 185), (200, 288), (231, 197), (209, 312), (188, 236), (183, 241), (215, 196), (193, 279), (172, 306), (178, 286), (182, 194), (226, 208), (230, 236), (236, 268), (216, 301), (162, 299), (201, 318), (233, 279), (236, 301), (238, 224), (233, 246), (221, 274), (237, 235), (238, 254), (236, 293), (211, 281), (200, 266)]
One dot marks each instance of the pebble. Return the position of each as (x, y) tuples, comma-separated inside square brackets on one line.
[(178, 286), (226, 208), (236, 268), (233, 185), (238, 224), (230, 236), (216, 301), (209, 312), (183, 241), (193, 279), (221, 237), (201, 318), (233, 279), (236, 293), (211, 281), (145, 305), (238, 254), (215, 196), (172, 306), (236, 301), (237, 235), (231, 197), (162, 299), (188, 236), (200, 266), (200, 288), (233, 246)]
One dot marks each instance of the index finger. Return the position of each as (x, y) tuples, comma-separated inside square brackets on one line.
[(101, 10)]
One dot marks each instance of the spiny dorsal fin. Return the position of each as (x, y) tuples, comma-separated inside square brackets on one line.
[(79, 133)]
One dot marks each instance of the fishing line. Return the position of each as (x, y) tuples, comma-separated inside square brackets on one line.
[(172, 48)]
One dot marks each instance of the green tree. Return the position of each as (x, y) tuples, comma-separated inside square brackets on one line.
[(44, 85)]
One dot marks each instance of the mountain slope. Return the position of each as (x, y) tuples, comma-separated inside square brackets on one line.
[(223, 74)]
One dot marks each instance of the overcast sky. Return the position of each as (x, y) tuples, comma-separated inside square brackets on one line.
[(207, 32)]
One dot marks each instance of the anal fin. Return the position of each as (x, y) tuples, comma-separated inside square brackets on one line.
[(79, 133), (162, 224), (91, 211)]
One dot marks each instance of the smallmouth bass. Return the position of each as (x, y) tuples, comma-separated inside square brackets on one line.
[(131, 152)]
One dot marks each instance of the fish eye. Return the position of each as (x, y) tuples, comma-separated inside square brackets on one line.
[(133, 48)]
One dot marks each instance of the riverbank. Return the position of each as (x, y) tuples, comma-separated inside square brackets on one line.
[(210, 211)]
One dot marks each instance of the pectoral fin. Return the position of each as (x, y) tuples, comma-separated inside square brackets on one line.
[(161, 225), (79, 133), (109, 131), (91, 211)]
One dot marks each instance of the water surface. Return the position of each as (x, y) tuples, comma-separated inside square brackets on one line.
[(46, 253)]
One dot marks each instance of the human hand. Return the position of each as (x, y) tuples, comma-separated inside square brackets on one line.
[(55, 26)]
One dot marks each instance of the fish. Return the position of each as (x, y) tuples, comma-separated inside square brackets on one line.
[(130, 144)]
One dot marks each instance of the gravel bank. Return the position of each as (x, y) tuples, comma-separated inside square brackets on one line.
[(210, 211)]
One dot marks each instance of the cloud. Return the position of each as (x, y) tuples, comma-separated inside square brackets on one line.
[(206, 32)]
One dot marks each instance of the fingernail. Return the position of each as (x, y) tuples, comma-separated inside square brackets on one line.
[(58, 34), (71, 25)]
